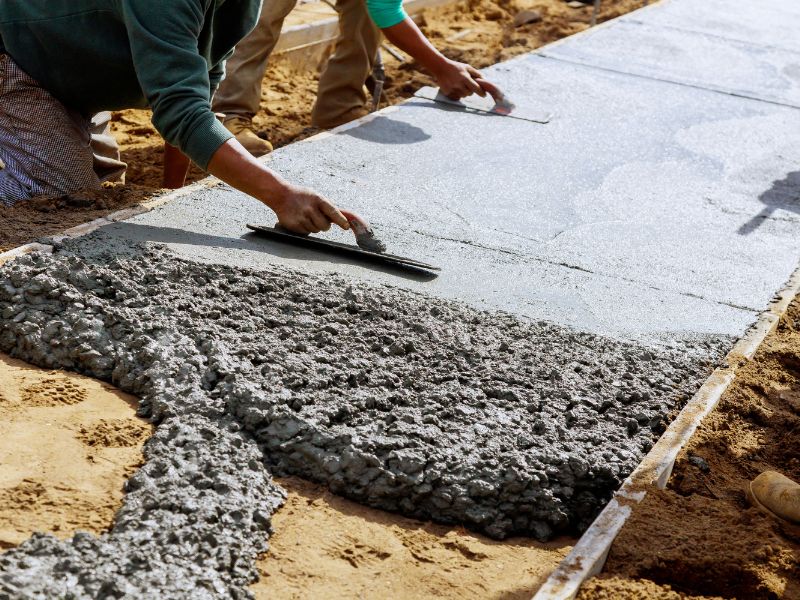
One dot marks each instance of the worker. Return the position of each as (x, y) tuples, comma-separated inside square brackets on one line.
[(63, 61), (340, 95)]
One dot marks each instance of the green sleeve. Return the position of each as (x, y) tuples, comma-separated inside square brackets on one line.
[(173, 75), (386, 13)]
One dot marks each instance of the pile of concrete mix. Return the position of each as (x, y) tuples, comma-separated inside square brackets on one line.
[(402, 402)]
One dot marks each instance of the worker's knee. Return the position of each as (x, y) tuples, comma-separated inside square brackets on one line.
[(45, 148)]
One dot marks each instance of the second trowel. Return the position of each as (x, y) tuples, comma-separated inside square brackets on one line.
[(495, 102)]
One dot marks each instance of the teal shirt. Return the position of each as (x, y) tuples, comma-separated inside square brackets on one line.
[(385, 13), (168, 55)]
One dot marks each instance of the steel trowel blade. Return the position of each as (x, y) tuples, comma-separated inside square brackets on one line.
[(324, 245), (485, 105)]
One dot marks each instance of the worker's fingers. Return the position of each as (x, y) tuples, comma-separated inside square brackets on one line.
[(307, 226), (471, 86), (493, 90), (476, 75), (319, 220), (334, 214), (474, 72)]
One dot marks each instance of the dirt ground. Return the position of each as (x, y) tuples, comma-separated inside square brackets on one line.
[(328, 547), (43, 216), (67, 444), (699, 537)]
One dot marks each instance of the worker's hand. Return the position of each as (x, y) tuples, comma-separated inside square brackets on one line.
[(457, 80), (302, 210)]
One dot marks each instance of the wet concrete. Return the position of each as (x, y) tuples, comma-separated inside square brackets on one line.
[(770, 23), (414, 405)]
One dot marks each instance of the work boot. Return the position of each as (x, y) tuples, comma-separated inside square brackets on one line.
[(776, 494), (242, 128)]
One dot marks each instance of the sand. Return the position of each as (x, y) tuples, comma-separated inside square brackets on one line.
[(358, 552), (49, 215), (67, 444), (699, 536)]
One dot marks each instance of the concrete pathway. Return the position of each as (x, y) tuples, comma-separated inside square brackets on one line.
[(661, 198)]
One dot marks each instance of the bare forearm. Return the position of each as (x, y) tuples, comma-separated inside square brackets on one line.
[(237, 167), (455, 79), (408, 37), (298, 209)]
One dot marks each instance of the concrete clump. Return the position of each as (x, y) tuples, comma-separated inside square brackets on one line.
[(402, 402)]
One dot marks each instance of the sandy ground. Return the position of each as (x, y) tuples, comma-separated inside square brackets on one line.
[(328, 547), (43, 216), (699, 536), (67, 444)]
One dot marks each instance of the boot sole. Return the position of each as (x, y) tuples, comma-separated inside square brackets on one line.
[(756, 503)]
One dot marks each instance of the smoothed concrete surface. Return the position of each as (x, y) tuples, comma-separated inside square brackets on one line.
[(771, 23), (643, 208), (692, 58)]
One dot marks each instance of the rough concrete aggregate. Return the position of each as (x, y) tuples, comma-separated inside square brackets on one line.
[(405, 403), (195, 517)]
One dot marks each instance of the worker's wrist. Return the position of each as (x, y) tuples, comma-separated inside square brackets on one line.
[(439, 65), (275, 191)]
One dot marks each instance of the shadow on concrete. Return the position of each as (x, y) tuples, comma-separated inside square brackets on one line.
[(784, 194), (383, 130), (252, 242)]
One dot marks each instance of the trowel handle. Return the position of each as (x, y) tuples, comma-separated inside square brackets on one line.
[(501, 101), (358, 224)]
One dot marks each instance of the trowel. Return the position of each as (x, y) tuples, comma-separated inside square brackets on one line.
[(497, 103), (369, 247)]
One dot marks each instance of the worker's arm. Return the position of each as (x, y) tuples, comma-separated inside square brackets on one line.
[(178, 85), (455, 79), (299, 209)]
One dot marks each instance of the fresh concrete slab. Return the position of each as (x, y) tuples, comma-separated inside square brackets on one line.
[(770, 23), (643, 208), (395, 399), (670, 54)]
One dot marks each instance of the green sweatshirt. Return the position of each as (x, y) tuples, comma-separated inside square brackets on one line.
[(96, 55)]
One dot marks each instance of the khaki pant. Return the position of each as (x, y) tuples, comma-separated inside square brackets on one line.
[(341, 89), (46, 148)]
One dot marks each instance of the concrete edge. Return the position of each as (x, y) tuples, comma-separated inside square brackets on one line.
[(588, 556), (114, 217), (646, 5)]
